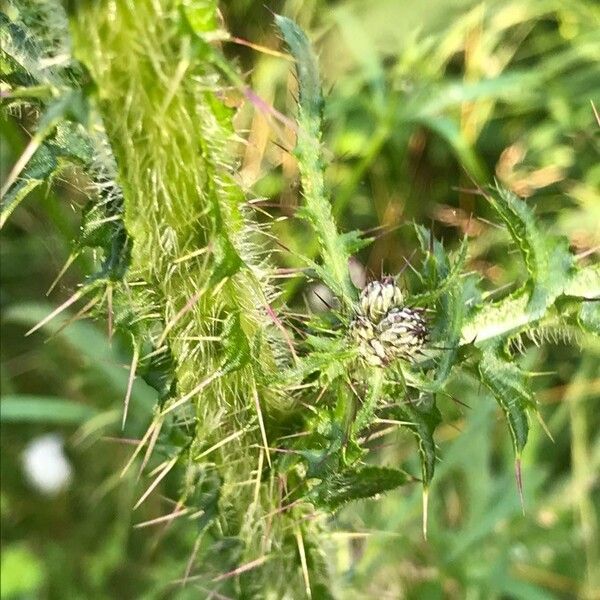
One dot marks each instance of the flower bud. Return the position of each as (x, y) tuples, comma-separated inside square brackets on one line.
[(403, 331), (378, 297), (383, 329)]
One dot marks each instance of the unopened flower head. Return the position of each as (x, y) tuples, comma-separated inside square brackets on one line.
[(383, 329), (378, 297)]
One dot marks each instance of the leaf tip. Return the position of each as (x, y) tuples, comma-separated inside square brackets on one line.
[(425, 500), (519, 479)]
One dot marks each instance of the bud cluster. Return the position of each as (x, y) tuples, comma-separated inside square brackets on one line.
[(383, 328)]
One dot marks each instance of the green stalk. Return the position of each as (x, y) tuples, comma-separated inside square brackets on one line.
[(317, 209), (194, 285)]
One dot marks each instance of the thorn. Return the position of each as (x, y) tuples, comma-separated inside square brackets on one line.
[(139, 447), (188, 306), (78, 315), (67, 264), (150, 447), (458, 401), (234, 436), (475, 192), (191, 560), (407, 263), (192, 393), (259, 48), (109, 310), (163, 473), (57, 311), (242, 569), (165, 518), (544, 426), (134, 362), (519, 479), (261, 423), (30, 149), (273, 14), (595, 112), (302, 552), (265, 108), (280, 326), (425, 500)]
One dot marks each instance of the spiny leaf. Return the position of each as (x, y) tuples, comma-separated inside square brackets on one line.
[(497, 319), (509, 386), (340, 488), (585, 282), (547, 258), (317, 209), (20, 54), (227, 259), (205, 492), (69, 144), (589, 316), (442, 279), (447, 274), (310, 98), (236, 345), (512, 314), (423, 419), (159, 373)]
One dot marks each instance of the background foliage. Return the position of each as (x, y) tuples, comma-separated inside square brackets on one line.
[(420, 101)]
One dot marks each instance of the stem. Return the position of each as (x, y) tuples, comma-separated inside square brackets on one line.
[(317, 209)]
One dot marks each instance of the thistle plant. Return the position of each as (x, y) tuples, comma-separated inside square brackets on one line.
[(262, 416)]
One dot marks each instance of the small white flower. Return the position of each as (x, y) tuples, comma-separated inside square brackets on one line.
[(45, 464)]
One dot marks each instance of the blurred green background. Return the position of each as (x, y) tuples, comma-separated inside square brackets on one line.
[(423, 100)]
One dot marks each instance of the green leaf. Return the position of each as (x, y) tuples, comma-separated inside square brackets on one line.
[(335, 248), (551, 270), (237, 347), (227, 259), (43, 409), (585, 283), (423, 419), (201, 15), (68, 144), (508, 384), (589, 316), (310, 98), (497, 319), (451, 292), (340, 488), (547, 258)]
